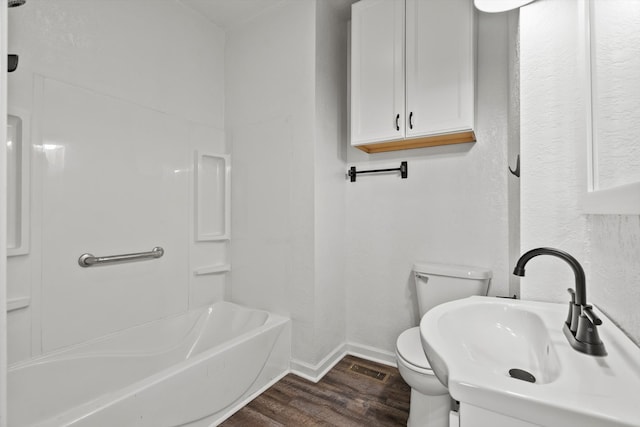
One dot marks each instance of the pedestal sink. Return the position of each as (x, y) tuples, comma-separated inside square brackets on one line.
[(508, 363)]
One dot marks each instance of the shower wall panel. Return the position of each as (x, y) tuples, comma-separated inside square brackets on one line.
[(114, 182), (143, 89)]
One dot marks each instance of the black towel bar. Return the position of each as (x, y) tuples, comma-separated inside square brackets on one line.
[(403, 171)]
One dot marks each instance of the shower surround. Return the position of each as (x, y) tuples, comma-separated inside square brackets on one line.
[(114, 132)]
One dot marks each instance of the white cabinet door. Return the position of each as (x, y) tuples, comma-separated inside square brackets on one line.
[(377, 71), (439, 67)]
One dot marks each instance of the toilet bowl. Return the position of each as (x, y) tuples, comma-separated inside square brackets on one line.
[(430, 402), (435, 284)]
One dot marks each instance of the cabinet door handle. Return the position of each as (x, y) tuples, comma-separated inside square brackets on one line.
[(398, 122), (411, 120)]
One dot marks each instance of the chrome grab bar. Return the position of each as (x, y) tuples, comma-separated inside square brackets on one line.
[(88, 260)]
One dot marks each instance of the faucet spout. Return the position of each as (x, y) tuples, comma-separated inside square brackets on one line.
[(580, 326), (581, 288)]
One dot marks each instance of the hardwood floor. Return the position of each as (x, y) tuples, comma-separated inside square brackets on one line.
[(342, 398)]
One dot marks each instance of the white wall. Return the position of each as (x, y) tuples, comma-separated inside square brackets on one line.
[(330, 167), (286, 112), (552, 107), (3, 222), (452, 208), (553, 135), (513, 145), (616, 114), (120, 94), (270, 69), (613, 279)]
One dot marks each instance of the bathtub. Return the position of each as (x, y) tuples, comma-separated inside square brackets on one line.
[(193, 370)]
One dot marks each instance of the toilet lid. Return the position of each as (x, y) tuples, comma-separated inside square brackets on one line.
[(409, 347)]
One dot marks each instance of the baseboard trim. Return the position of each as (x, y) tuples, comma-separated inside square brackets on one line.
[(315, 373), (372, 353)]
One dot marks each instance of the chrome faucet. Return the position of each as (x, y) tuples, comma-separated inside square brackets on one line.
[(580, 326)]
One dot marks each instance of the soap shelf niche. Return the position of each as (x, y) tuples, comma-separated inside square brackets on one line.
[(18, 303), (18, 182), (214, 269), (212, 196)]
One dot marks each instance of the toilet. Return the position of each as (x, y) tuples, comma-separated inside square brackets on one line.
[(435, 284)]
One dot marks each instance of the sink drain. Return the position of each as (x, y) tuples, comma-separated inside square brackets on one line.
[(521, 374)]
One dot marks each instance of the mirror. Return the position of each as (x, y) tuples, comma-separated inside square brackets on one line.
[(613, 40)]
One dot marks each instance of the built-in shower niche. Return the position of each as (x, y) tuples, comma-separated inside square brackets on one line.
[(17, 183), (213, 196)]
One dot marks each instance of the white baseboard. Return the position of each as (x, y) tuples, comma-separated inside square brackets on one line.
[(315, 372), (372, 353)]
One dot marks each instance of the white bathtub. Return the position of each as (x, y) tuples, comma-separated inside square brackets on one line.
[(194, 369)]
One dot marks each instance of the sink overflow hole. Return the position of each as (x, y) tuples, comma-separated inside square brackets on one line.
[(521, 374), (371, 373)]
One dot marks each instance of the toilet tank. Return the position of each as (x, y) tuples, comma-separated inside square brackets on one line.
[(440, 283)]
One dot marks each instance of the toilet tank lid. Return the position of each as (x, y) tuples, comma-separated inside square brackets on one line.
[(452, 270)]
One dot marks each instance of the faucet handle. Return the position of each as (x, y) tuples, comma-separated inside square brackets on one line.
[(573, 317), (587, 334), (572, 309), (587, 340), (587, 310)]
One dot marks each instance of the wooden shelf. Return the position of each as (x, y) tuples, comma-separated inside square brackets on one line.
[(428, 141)]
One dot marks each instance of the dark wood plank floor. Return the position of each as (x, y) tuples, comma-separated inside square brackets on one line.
[(341, 398)]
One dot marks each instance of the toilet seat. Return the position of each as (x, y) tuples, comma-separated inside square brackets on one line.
[(409, 349)]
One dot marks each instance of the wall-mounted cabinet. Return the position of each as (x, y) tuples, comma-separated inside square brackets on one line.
[(412, 73)]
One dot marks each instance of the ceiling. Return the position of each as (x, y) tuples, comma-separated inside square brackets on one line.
[(229, 13)]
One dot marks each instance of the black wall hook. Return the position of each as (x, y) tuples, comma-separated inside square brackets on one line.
[(517, 171), (12, 63), (403, 169)]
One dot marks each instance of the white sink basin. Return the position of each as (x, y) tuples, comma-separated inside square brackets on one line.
[(473, 343)]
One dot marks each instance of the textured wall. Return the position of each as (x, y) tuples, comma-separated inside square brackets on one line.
[(452, 208), (270, 69), (514, 147), (615, 269), (3, 222), (286, 121), (616, 85), (330, 166), (552, 123), (553, 133)]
